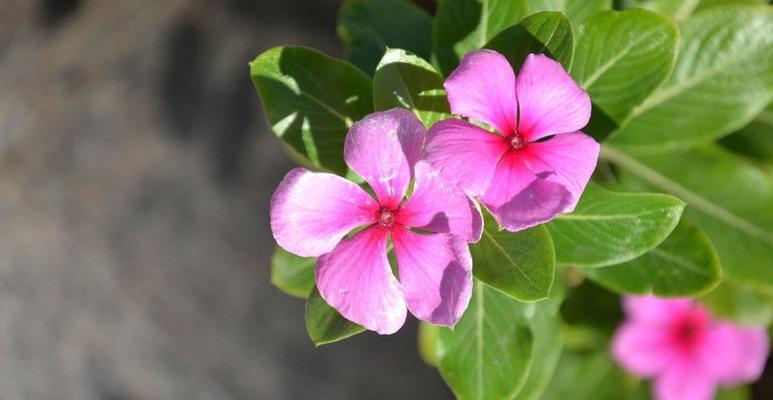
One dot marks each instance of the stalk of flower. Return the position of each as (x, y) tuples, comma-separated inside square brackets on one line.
[(685, 350), (537, 163), (311, 213)]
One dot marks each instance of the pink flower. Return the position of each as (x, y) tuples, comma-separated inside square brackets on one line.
[(523, 174), (685, 350), (311, 213)]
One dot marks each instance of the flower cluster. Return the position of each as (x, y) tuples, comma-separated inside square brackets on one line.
[(686, 351), (534, 167)]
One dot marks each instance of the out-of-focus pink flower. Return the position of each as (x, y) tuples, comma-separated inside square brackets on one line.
[(686, 351), (312, 212), (523, 174)]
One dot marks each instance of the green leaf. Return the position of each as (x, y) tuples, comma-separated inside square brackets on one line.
[(580, 11), (324, 324), (609, 228), (292, 274), (622, 57), (685, 264), (728, 198), (368, 27), (520, 264), (677, 9), (405, 80), (428, 337), (489, 352), (592, 376), (546, 32), (545, 324), (310, 101), (740, 303), (754, 140), (723, 77), (712, 3)]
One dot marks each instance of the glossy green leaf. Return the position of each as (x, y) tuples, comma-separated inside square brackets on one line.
[(368, 27), (622, 57), (740, 303), (428, 337), (727, 198), (520, 264), (489, 352), (723, 77), (324, 324), (609, 228), (310, 101), (405, 80), (547, 32), (292, 274), (685, 264)]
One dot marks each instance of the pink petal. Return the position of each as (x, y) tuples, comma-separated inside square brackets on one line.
[(734, 354), (355, 279), (464, 153), (655, 311), (483, 88), (311, 211), (439, 206), (642, 349), (545, 179), (435, 273), (382, 148), (549, 101), (684, 381)]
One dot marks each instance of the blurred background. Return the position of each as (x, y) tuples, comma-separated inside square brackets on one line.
[(136, 168)]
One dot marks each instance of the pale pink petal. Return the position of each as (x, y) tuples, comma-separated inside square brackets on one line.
[(655, 311), (483, 88), (642, 349), (355, 279), (312, 211), (734, 354), (549, 101), (439, 206), (382, 148), (435, 273), (464, 153), (684, 381)]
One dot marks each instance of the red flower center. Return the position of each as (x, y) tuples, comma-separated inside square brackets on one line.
[(689, 329), (386, 217), (516, 141)]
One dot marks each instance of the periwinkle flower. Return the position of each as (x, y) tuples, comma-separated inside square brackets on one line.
[(685, 350), (537, 163), (312, 212)]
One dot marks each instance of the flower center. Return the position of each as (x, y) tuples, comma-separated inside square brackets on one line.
[(689, 331), (516, 141), (386, 217)]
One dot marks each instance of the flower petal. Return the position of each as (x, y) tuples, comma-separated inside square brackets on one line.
[(734, 354), (435, 273), (439, 206), (355, 279), (464, 153), (655, 311), (483, 88), (641, 349), (549, 100), (312, 211), (382, 148), (683, 381)]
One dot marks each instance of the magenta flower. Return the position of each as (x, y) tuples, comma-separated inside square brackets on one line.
[(686, 351), (312, 212), (523, 174)]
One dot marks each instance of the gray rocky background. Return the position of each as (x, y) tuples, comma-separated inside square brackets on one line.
[(135, 172)]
